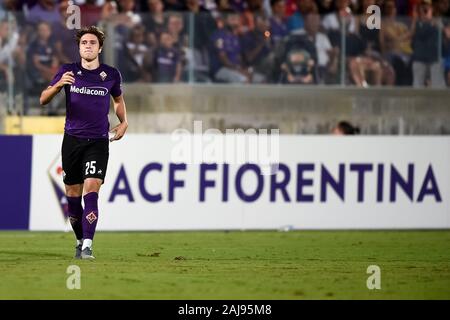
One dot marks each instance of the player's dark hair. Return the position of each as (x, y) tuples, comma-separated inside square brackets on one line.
[(347, 128), (92, 30)]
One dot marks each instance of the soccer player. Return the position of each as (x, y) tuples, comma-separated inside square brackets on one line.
[(85, 148)]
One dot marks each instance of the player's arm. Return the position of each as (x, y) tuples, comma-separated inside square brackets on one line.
[(121, 113), (51, 91)]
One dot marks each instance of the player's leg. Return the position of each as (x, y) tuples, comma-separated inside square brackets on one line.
[(95, 165), (91, 188), (73, 180), (73, 195)]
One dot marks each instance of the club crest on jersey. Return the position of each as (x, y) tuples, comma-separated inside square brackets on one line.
[(103, 75), (79, 73), (91, 217)]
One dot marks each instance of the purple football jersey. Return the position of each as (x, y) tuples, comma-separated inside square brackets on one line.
[(87, 99)]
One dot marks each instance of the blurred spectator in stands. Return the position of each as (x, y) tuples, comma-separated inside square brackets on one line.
[(441, 13), (223, 5), (174, 5), (257, 49), (142, 6), (395, 42), (91, 13), (267, 7), (291, 7), (362, 67), (123, 17), (109, 10), (412, 7), (204, 26), (299, 55), (231, 5), (226, 63), (167, 65), (175, 26), (359, 65), (137, 62), (325, 6), (154, 21), (327, 55), (42, 63), (345, 128), (13, 44), (211, 6), (44, 10), (295, 41), (332, 22), (371, 43), (94, 11), (65, 47), (254, 8), (296, 20), (446, 53), (81, 2), (298, 68), (9, 38), (42, 60), (371, 37), (441, 8), (9, 6), (204, 23), (124, 21), (20, 62), (278, 22), (128, 9), (126, 18), (356, 5), (426, 50), (401, 7)]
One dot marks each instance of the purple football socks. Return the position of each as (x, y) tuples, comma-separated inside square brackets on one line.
[(75, 215), (90, 215)]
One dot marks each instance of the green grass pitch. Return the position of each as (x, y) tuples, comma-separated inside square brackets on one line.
[(229, 265)]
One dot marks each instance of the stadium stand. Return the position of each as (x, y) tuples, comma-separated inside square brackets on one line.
[(303, 42)]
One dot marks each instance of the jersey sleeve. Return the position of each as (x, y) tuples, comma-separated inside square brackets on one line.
[(116, 89), (58, 75)]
